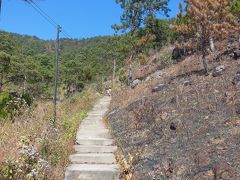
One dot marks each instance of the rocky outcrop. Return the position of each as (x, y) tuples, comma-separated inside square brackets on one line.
[(179, 53), (218, 71), (236, 54), (158, 88), (135, 83)]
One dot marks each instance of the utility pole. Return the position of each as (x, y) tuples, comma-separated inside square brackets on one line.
[(130, 71), (130, 75), (56, 75), (114, 72)]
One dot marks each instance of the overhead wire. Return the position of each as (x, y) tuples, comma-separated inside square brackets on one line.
[(35, 4), (53, 24), (47, 18)]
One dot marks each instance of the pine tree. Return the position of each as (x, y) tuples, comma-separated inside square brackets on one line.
[(208, 20), (135, 13)]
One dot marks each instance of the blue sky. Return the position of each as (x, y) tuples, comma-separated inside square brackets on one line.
[(79, 18)]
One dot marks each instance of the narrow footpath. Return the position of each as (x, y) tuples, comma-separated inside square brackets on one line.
[(94, 158)]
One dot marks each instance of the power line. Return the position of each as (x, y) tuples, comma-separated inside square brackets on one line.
[(66, 34), (47, 17), (51, 19)]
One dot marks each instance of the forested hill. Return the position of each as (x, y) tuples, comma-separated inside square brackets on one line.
[(29, 62)]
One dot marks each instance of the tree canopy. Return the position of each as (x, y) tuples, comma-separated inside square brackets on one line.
[(81, 62), (208, 20), (137, 12)]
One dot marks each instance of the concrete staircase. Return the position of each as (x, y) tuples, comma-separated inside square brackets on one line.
[(94, 158)]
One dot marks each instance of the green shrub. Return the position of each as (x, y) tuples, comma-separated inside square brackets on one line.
[(4, 99), (28, 98)]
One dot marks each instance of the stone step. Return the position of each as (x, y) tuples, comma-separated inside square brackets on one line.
[(92, 172), (103, 107), (83, 130), (93, 120), (94, 116), (94, 149), (95, 113), (94, 123), (93, 158), (94, 141), (93, 135), (93, 128)]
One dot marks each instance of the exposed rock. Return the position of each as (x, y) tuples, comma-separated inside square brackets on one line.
[(135, 104), (220, 68), (135, 83), (179, 53), (148, 78), (187, 83), (218, 71), (157, 75), (113, 111), (159, 87), (236, 54)]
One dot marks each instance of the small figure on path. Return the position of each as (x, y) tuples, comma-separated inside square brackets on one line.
[(109, 92)]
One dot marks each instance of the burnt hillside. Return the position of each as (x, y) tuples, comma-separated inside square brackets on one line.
[(185, 124)]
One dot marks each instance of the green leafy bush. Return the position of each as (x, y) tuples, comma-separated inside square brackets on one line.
[(28, 98), (4, 99)]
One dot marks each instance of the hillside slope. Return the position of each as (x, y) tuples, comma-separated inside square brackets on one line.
[(82, 61), (183, 125)]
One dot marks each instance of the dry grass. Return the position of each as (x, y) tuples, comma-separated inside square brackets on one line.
[(127, 165), (123, 96), (154, 62), (30, 124), (54, 146)]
